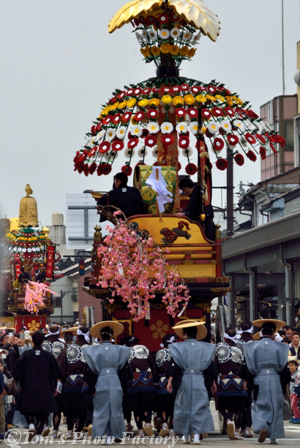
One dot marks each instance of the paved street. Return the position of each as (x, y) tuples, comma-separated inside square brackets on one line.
[(214, 439)]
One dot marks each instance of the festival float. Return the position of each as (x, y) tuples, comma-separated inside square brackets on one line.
[(155, 268), (30, 248)]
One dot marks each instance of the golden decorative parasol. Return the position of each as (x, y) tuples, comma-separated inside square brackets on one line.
[(193, 11)]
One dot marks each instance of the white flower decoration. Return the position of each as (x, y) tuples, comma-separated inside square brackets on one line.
[(100, 136), (152, 35), (187, 152), (167, 127), (110, 134), (129, 153), (238, 124), (194, 127), (182, 127), (175, 33), (153, 127), (143, 34), (136, 131), (197, 37), (212, 127), (251, 126), (186, 36), (121, 132), (225, 125), (164, 34)]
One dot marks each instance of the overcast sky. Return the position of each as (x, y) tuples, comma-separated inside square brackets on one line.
[(59, 64)]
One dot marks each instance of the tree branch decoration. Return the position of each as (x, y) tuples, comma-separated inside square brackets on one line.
[(133, 267), (35, 294)]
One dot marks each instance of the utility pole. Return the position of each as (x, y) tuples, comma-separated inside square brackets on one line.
[(282, 44), (229, 175)]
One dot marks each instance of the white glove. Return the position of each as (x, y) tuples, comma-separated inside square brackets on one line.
[(59, 387)]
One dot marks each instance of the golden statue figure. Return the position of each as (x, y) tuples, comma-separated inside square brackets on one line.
[(28, 213), (28, 190)]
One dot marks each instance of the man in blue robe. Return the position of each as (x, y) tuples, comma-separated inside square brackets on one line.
[(191, 411), (266, 360), (105, 361)]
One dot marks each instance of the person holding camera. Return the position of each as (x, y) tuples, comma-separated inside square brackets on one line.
[(295, 390)]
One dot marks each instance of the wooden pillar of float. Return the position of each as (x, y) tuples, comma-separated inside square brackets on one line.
[(97, 243)]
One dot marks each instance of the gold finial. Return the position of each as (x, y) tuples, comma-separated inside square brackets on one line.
[(97, 234), (218, 234), (28, 190), (193, 11), (28, 213), (46, 231)]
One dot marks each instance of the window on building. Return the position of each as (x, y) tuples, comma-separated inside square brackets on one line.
[(289, 135)]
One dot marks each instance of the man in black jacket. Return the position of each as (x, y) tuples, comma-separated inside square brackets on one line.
[(38, 372), (24, 277), (194, 207), (127, 199)]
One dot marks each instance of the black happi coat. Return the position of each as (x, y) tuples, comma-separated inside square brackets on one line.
[(38, 372), (127, 199)]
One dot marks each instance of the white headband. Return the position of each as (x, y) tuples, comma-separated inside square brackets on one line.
[(170, 341), (246, 331), (278, 338), (85, 335), (233, 339), (52, 334)]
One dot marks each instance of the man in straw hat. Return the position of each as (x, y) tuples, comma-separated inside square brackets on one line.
[(266, 360), (191, 411), (105, 361)]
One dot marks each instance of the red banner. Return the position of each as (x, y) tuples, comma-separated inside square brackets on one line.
[(17, 266), (50, 261), (32, 323)]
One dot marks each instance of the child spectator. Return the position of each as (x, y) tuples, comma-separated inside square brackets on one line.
[(295, 374)]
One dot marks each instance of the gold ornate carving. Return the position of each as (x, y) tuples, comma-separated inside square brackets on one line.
[(28, 213), (33, 325), (159, 329)]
